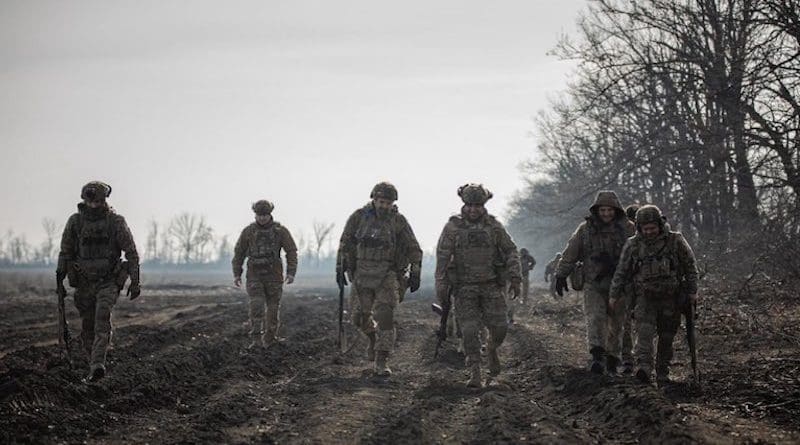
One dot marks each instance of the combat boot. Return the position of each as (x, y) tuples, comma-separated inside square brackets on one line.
[(96, 373), (643, 376), (597, 360), (474, 377), (371, 347), (494, 362), (381, 368), (627, 368), (611, 365)]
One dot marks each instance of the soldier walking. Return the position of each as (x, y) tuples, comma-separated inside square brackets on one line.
[(261, 243), (376, 250), (550, 273), (92, 244), (661, 266), (597, 242), (483, 258)]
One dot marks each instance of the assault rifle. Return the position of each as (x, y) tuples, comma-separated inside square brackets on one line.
[(689, 309), (63, 327), (444, 312)]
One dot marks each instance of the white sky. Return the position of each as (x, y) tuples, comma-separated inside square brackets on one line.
[(206, 106)]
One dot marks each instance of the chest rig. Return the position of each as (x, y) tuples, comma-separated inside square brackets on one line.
[(264, 246), (475, 252), (97, 251), (375, 238), (657, 274)]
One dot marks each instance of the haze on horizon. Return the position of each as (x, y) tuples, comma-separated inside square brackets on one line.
[(191, 106)]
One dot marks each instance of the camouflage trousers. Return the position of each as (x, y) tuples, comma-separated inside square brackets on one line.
[(603, 325), (656, 318), (94, 302), (627, 330), (372, 310), (265, 304), (476, 306)]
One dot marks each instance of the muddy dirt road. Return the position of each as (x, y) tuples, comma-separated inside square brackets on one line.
[(179, 373)]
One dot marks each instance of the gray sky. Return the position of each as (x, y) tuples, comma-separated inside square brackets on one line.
[(207, 106)]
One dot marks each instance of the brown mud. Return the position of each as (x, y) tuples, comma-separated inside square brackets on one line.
[(179, 372)]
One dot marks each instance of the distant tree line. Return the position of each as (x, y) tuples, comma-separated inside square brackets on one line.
[(692, 105)]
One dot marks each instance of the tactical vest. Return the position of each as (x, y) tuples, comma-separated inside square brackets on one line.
[(657, 274), (264, 247), (475, 253), (375, 239), (97, 252), (601, 253)]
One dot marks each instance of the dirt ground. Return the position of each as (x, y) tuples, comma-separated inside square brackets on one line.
[(179, 373)]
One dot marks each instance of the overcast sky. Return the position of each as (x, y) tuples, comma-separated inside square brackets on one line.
[(207, 106)]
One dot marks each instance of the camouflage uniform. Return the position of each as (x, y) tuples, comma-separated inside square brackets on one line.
[(484, 258), (550, 273), (91, 247), (630, 304), (659, 270), (376, 249), (527, 263), (262, 245), (598, 246)]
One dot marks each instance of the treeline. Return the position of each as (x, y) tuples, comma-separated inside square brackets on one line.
[(692, 105)]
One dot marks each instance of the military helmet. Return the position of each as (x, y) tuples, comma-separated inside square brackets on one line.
[(523, 251), (474, 194), (631, 210), (263, 207), (384, 190), (649, 214), (96, 191)]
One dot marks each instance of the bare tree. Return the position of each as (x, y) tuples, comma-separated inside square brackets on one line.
[(151, 248), (192, 236), (47, 251), (322, 231)]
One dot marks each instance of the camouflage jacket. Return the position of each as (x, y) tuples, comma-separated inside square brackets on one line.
[(679, 270), (475, 252), (394, 247), (261, 245), (92, 245), (550, 269), (527, 263), (598, 246)]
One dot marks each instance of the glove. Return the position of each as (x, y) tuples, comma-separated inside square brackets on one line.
[(561, 286), (134, 290), (289, 279), (237, 281), (414, 281), (341, 279), (516, 288)]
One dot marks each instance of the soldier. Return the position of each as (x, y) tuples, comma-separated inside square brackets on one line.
[(527, 263), (598, 242), (376, 250), (550, 273), (484, 258), (627, 327), (91, 247), (261, 243), (661, 266)]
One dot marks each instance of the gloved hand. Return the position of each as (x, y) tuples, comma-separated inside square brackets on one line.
[(516, 288), (134, 290), (561, 286), (414, 280), (289, 279), (341, 278), (237, 281)]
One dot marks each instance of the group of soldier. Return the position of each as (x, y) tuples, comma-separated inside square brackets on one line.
[(478, 268)]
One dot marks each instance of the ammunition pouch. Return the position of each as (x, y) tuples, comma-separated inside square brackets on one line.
[(577, 277)]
